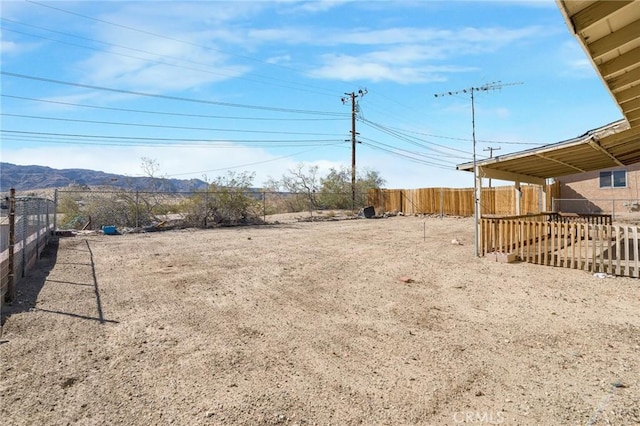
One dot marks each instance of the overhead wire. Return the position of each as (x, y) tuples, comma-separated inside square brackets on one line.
[(163, 126), (245, 57), (467, 139), (173, 98), (106, 140), (244, 165), (385, 129), (156, 61), (412, 159), (407, 152), (418, 157), (177, 114), (415, 141)]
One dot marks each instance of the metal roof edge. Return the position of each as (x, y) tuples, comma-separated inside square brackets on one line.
[(598, 133)]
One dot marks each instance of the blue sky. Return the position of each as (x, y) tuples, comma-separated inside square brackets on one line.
[(205, 87)]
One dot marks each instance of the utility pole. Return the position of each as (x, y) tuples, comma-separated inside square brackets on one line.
[(491, 149), (354, 111), (476, 186)]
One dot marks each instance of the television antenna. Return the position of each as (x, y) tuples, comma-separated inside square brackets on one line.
[(496, 85)]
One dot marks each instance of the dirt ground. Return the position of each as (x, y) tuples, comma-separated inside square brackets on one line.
[(310, 324)]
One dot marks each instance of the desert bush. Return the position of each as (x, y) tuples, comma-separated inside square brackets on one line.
[(305, 190), (228, 200)]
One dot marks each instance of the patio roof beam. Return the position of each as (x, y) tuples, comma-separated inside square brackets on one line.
[(620, 63), (596, 13), (511, 176), (614, 40), (561, 162), (595, 144)]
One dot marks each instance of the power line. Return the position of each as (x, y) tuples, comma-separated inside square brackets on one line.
[(169, 64), (412, 139), (162, 126), (171, 98), (244, 165), (249, 58), (410, 154), (407, 157), (177, 114), (47, 136), (466, 139)]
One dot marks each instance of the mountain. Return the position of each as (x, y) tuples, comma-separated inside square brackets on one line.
[(25, 178)]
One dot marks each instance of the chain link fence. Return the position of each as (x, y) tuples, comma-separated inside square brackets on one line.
[(619, 208), (26, 227), (131, 210)]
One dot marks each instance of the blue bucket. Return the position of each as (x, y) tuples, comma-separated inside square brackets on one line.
[(109, 230)]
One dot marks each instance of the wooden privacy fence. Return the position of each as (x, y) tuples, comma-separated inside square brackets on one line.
[(25, 229), (459, 201), (590, 243)]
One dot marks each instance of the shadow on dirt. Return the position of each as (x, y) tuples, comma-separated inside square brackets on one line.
[(28, 288)]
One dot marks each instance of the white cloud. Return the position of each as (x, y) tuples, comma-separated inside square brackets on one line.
[(575, 60), (316, 6), (381, 66), (7, 47), (283, 59)]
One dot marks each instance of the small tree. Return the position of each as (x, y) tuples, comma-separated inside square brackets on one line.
[(368, 179), (303, 183), (336, 191)]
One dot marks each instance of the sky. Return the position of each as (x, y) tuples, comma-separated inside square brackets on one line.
[(206, 88)]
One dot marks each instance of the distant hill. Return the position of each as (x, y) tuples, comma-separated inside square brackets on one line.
[(25, 178)]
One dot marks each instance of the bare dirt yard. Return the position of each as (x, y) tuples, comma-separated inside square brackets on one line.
[(310, 324)]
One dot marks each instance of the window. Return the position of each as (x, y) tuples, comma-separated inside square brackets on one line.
[(613, 179)]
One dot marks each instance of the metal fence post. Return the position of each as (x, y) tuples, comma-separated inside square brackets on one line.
[(441, 203), (25, 231), (11, 289), (137, 209), (38, 229), (55, 211), (613, 209), (206, 206), (264, 206)]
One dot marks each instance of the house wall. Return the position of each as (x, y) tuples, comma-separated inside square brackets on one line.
[(581, 193)]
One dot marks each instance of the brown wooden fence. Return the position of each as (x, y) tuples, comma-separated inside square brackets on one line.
[(591, 244), (459, 201)]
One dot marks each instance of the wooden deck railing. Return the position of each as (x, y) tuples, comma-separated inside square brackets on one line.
[(612, 249)]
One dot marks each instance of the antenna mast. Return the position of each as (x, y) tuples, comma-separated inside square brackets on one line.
[(496, 85)]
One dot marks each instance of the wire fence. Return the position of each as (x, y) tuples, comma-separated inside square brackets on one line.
[(618, 208), (86, 209), (26, 226)]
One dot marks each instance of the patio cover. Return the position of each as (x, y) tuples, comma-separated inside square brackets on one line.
[(609, 32)]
